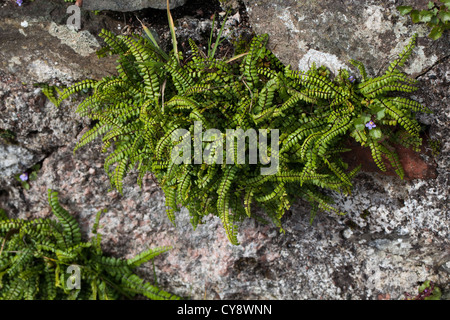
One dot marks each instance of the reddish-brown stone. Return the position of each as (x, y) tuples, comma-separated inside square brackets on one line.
[(414, 165)]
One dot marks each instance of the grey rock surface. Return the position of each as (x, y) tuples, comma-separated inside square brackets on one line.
[(333, 32), (395, 235), (37, 46), (14, 159), (130, 5)]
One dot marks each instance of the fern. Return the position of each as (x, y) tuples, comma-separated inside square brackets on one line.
[(155, 94), (35, 255)]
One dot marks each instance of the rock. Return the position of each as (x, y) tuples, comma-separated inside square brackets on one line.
[(47, 51), (417, 165), (14, 159), (83, 42), (331, 33), (43, 52), (38, 126), (129, 5)]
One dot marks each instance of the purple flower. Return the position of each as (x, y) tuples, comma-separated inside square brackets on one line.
[(351, 79), (370, 125), (19, 2), (24, 176)]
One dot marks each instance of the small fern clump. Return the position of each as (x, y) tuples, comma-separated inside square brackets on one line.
[(45, 259), (159, 102)]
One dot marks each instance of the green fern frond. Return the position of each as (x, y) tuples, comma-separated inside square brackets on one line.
[(223, 203), (404, 103), (409, 124), (377, 155), (403, 57), (35, 263), (147, 255), (72, 233), (361, 68)]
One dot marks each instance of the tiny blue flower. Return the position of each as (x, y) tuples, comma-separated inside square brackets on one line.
[(370, 125), (24, 176), (19, 2), (351, 79)]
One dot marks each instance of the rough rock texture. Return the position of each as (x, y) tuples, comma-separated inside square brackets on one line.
[(13, 159), (130, 5), (332, 32), (36, 49), (46, 50), (395, 235)]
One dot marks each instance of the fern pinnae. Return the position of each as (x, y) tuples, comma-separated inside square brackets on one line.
[(297, 136), (77, 87), (377, 154), (181, 79), (290, 176), (147, 255), (338, 172), (88, 106), (171, 202), (248, 197), (250, 71), (184, 182), (279, 189), (165, 140), (118, 174), (393, 159), (407, 51), (307, 144), (113, 41), (117, 155), (322, 203), (339, 127), (398, 115), (146, 69), (19, 261), (404, 103), (401, 88), (361, 69), (70, 226), (223, 202)]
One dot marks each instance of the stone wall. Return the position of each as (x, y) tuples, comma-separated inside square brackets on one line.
[(396, 232)]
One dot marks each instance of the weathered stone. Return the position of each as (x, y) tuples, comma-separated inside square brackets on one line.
[(50, 52), (129, 5), (416, 165), (14, 159), (331, 33), (37, 50)]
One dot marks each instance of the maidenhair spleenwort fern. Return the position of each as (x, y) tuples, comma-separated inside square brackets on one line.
[(45, 259), (140, 112)]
